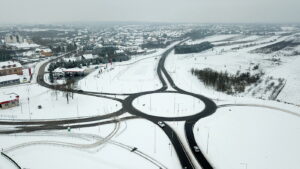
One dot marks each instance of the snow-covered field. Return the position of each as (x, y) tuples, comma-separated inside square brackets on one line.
[(145, 136), (54, 104), (257, 137), (224, 58), (136, 75), (214, 38), (5, 164), (168, 104)]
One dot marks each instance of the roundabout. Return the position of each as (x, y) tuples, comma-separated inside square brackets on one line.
[(168, 104)]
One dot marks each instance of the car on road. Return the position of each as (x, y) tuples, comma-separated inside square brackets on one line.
[(133, 149), (161, 124), (196, 149)]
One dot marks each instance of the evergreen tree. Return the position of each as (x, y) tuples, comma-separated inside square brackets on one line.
[(51, 76)]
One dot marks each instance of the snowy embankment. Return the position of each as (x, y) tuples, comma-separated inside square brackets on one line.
[(290, 71), (238, 137)]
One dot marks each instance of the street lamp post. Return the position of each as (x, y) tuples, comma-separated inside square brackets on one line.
[(154, 146), (207, 140)]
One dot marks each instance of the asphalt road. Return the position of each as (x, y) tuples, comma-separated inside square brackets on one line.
[(127, 106)]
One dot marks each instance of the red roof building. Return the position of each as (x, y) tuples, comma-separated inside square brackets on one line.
[(9, 100)]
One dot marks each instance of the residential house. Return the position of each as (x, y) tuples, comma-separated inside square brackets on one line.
[(8, 100), (10, 67), (9, 80)]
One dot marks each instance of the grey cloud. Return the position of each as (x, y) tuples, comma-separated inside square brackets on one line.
[(42, 11)]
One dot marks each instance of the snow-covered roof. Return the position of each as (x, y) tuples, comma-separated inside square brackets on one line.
[(24, 45), (29, 53), (140, 50), (59, 70), (46, 50), (88, 56), (8, 97), (120, 51), (71, 59), (9, 64), (9, 78), (74, 70)]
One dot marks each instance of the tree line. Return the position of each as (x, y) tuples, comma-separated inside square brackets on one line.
[(73, 64), (153, 45), (183, 49), (276, 46), (5, 55), (225, 82), (199, 33), (82, 62)]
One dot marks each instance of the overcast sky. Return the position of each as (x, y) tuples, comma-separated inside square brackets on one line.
[(202, 11)]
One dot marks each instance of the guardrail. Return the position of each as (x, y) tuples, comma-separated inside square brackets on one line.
[(11, 160)]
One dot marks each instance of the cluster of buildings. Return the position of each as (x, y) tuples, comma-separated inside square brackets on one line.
[(108, 43), (16, 38), (9, 73), (129, 39), (24, 48), (62, 72), (13, 38), (10, 67)]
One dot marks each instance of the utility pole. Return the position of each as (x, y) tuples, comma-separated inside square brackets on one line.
[(77, 109), (150, 104), (154, 148), (174, 106), (28, 105), (207, 140), (21, 108), (177, 109), (170, 147), (245, 164), (193, 104), (171, 150)]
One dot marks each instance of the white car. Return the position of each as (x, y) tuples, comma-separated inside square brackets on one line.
[(161, 124), (196, 148)]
